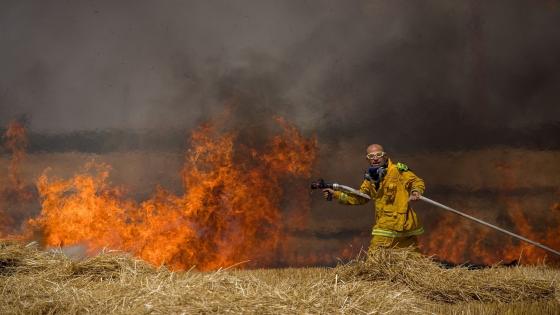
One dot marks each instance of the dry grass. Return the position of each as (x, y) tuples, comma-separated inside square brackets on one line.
[(391, 282), (427, 278)]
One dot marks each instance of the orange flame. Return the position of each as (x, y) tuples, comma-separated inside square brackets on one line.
[(239, 204), (458, 241), (15, 194), (15, 140), (229, 212)]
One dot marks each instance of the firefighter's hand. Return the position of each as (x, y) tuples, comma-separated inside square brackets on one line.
[(328, 193), (414, 196)]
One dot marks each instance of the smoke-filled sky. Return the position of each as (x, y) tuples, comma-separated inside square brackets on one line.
[(423, 78), (408, 73)]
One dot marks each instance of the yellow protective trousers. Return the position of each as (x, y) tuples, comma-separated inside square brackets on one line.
[(379, 241)]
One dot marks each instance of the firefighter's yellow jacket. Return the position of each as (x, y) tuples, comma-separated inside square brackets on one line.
[(393, 215)]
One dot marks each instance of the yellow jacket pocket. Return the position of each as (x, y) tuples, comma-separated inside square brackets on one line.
[(391, 220), (390, 192)]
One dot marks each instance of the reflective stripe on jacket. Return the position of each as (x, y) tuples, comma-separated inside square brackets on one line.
[(389, 233)]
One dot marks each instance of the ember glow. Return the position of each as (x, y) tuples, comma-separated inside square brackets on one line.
[(229, 212)]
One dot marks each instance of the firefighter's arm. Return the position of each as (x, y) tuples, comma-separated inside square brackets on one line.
[(412, 182), (350, 199)]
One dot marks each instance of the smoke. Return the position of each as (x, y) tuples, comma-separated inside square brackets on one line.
[(418, 77), (414, 75)]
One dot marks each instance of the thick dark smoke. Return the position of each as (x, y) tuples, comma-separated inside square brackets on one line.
[(414, 75), (421, 77)]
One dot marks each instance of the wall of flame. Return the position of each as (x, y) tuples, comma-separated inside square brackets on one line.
[(250, 204)]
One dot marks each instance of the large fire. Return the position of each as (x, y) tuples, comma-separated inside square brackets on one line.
[(239, 204), (229, 213)]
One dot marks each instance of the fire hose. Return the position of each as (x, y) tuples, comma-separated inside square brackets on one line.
[(321, 184), (497, 228)]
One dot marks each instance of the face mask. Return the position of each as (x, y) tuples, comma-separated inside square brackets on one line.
[(377, 173)]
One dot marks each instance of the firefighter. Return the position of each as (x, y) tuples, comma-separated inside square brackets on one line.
[(391, 186)]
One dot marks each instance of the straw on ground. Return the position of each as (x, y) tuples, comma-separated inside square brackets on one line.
[(389, 282)]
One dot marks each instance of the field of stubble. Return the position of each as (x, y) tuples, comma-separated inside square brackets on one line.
[(34, 281)]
